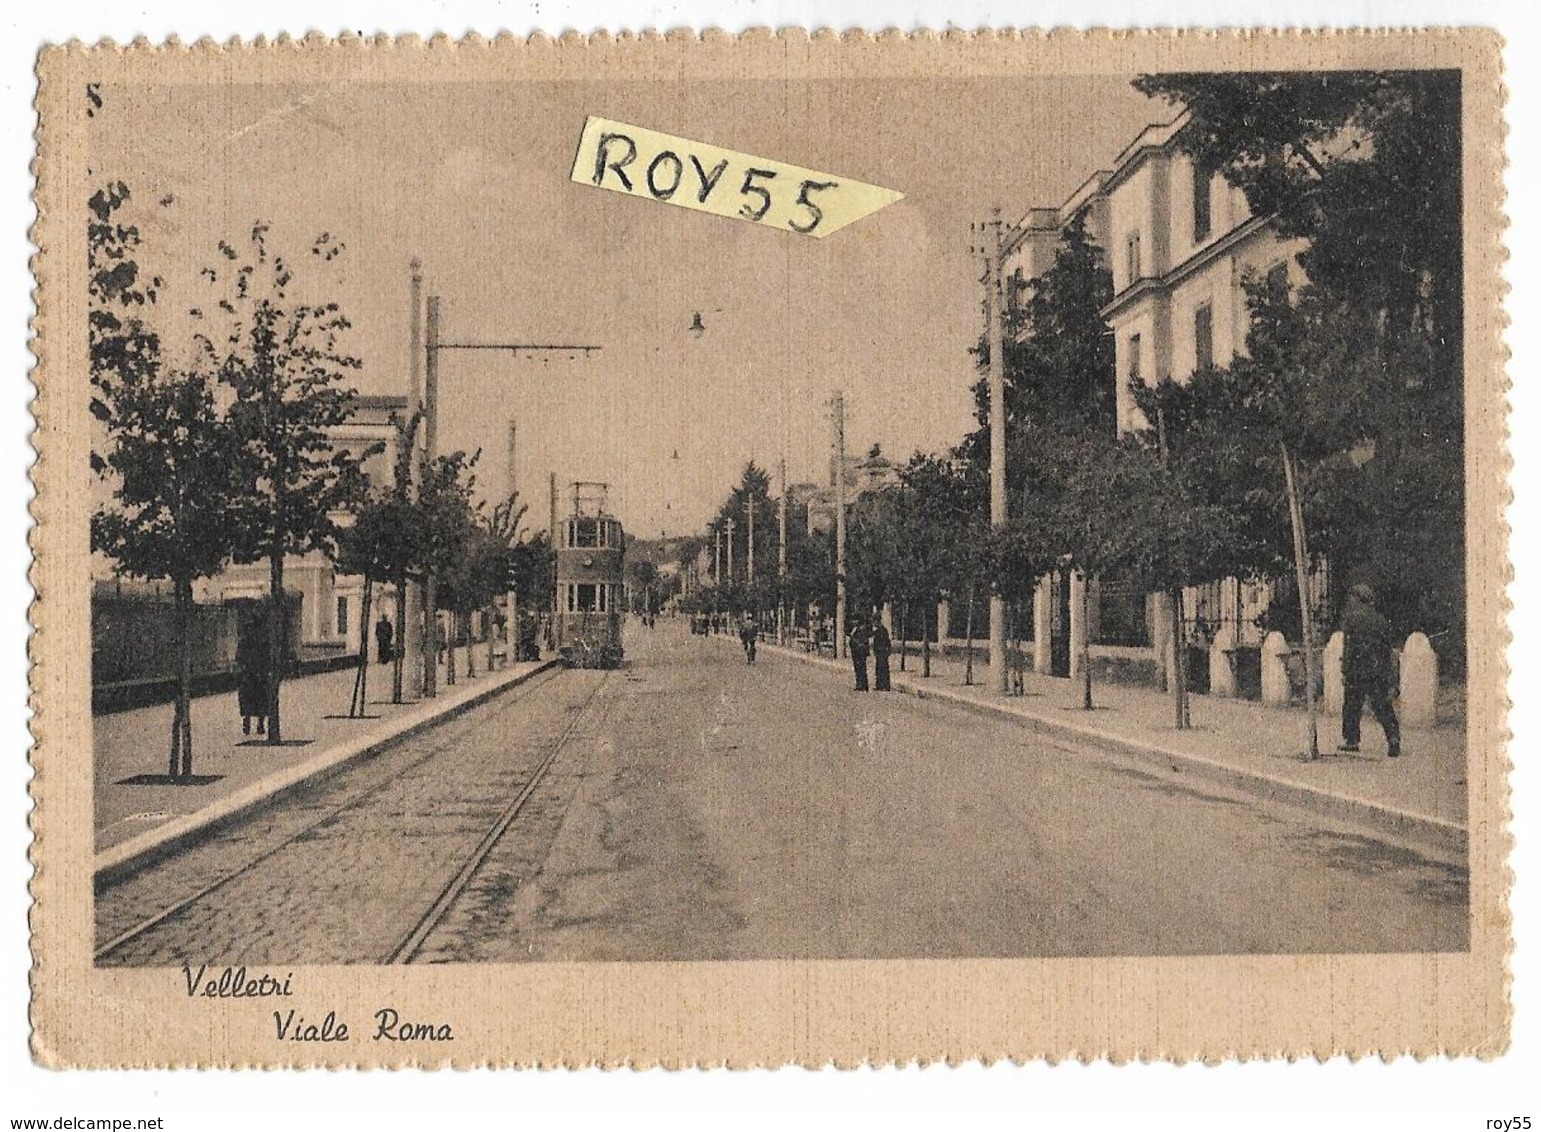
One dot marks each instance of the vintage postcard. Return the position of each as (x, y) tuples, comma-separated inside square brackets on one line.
[(709, 549)]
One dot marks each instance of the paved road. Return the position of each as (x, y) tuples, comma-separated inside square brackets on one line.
[(704, 809), (730, 812)]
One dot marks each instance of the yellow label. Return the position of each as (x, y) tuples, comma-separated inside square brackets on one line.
[(645, 163)]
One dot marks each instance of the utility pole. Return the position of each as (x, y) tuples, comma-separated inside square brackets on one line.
[(998, 244), (554, 541), (750, 503), (781, 557), (840, 645), (409, 603), (996, 314), (430, 453), (717, 556), (731, 525), (511, 622), (433, 348)]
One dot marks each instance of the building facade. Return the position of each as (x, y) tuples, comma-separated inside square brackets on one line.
[(331, 604), (1181, 243)]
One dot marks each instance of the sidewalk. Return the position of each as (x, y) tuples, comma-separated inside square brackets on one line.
[(136, 803), (1239, 743)]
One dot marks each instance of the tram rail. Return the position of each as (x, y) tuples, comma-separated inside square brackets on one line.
[(410, 943)]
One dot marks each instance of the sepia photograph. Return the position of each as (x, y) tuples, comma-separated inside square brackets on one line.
[(527, 517)]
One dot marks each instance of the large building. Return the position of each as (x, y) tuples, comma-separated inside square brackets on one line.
[(1180, 243)]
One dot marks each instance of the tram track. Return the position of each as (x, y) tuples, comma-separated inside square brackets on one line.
[(388, 793), (410, 944)]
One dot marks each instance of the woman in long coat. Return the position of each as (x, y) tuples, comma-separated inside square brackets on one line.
[(251, 658)]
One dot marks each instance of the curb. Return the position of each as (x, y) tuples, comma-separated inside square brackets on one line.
[(128, 857), (1445, 839)]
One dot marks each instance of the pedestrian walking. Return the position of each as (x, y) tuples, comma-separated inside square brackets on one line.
[(749, 635), (251, 659), (858, 641), (882, 647), (385, 635), (1367, 670)]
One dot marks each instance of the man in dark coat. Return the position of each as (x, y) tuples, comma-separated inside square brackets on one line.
[(385, 634), (1367, 670), (251, 659), (882, 647), (859, 642), (748, 636)]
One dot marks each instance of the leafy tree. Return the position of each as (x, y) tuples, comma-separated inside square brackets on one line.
[(1367, 166), (941, 513), (532, 565), (503, 534), (284, 360), (168, 445), (1059, 357), (1272, 440), (1061, 418), (368, 548), (644, 578), (754, 484), (447, 514), (405, 551)]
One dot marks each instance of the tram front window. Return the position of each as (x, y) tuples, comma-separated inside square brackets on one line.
[(588, 598), (586, 533)]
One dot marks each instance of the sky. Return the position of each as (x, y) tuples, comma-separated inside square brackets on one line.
[(473, 179)]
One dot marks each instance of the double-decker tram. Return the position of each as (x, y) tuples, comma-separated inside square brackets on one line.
[(590, 578)]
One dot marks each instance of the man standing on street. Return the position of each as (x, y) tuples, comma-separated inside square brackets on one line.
[(859, 642), (748, 634), (1367, 670), (385, 634), (882, 646)]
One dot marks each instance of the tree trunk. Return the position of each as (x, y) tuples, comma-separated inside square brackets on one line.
[(430, 637), (181, 765), (925, 649), (904, 642), (277, 642), (1302, 583), (490, 621), (449, 648), (1180, 715), (968, 663), (1086, 644), (357, 709), (399, 651), (465, 619)]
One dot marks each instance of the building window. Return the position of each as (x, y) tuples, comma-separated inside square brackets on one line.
[(1203, 338), (1132, 258), (1134, 357), (1201, 202), (342, 617)]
